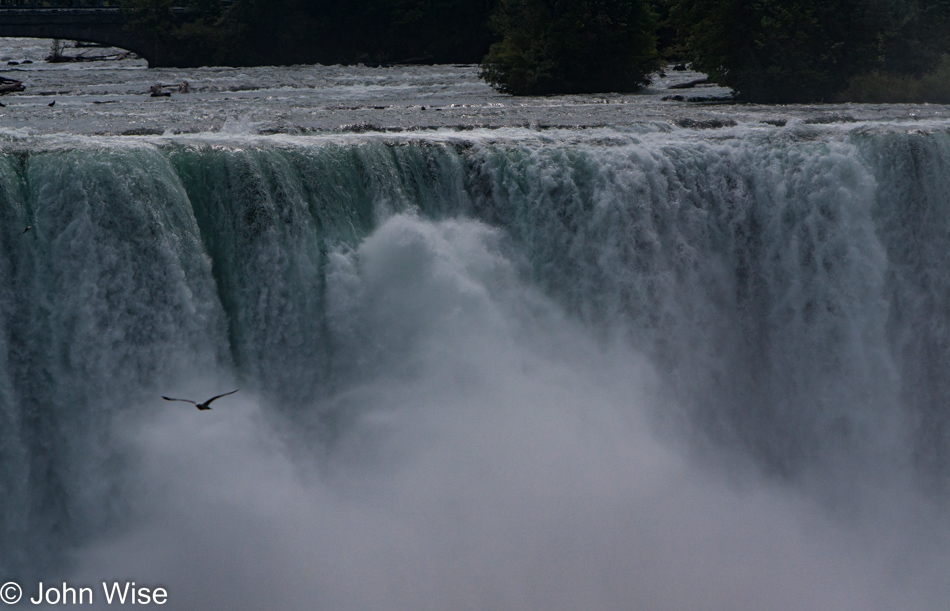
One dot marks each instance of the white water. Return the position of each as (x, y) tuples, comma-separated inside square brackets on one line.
[(112, 98), (632, 366)]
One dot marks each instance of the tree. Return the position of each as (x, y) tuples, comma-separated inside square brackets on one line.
[(913, 35), (809, 50), (258, 32), (195, 33), (779, 50), (571, 46)]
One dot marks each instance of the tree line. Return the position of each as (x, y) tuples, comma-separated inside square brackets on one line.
[(281, 32), (766, 50)]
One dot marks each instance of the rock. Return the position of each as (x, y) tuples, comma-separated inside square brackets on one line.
[(705, 124), (689, 84), (158, 91), (8, 85)]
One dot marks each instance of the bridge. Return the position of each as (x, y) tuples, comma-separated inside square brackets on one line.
[(98, 21)]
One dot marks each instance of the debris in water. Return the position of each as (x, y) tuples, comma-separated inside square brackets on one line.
[(9, 85), (164, 91)]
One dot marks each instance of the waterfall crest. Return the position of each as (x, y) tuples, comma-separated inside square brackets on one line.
[(787, 292)]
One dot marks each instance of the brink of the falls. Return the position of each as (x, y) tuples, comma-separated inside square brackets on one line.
[(518, 368)]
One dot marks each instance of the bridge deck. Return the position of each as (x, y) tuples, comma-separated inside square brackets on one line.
[(100, 24)]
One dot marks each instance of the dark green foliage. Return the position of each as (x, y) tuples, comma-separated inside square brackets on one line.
[(913, 35), (912, 64), (776, 50), (667, 41), (152, 16), (894, 88), (201, 34), (246, 32), (809, 50), (571, 46), (432, 31)]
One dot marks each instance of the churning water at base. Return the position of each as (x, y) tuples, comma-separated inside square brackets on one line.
[(582, 369)]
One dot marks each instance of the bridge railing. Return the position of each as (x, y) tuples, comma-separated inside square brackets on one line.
[(35, 4)]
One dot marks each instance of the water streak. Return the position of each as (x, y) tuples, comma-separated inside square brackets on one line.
[(462, 343)]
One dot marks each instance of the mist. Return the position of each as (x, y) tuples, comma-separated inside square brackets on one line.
[(483, 449)]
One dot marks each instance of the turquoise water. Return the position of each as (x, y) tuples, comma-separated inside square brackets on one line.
[(610, 368)]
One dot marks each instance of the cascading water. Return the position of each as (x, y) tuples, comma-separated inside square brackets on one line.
[(605, 369)]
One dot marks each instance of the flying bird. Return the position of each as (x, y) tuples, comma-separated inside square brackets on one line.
[(206, 404), (28, 227)]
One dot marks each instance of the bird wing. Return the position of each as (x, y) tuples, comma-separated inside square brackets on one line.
[(184, 400), (208, 402)]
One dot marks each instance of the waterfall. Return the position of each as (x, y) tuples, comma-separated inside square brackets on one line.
[(504, 322)]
